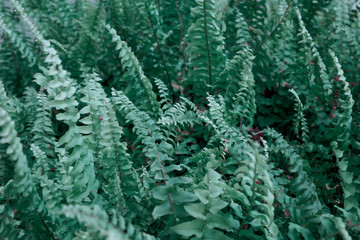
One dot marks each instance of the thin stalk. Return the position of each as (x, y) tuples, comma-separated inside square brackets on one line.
[(161, 55), (207, 47), (272, 32)]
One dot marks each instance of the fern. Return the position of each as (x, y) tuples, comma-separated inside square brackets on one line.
[(300, 119), (160, 119), (99, 225), (207, 212), (307, 39), (341, 143), (26, 52), (43, 134), (158, 153), (242, 108), (21, 184), (205, 47), (130, 61)]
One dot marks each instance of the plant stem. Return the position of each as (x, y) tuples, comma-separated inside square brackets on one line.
[(207, 47), (161, 55), (46, 227), (272, 32)]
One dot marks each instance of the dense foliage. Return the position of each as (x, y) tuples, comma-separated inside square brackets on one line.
[(166, 119)]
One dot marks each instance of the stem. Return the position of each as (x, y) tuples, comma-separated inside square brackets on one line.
[(254, 184), (181, 25), (93, 26), (162, 57), (181, 48), (43, 129), (163, 175), (94, 135), (46, 227), (207, 45), (206, 206), (272, 32), (118, 173)]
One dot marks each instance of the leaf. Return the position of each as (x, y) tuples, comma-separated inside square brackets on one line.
[(188, 229), (196, 210), (295, 231), (216, 205), (183, 197), (162, 210), (222, 221), (211, 234), (203, 195), (162, 192)]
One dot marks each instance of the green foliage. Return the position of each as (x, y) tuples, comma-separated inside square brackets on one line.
[(205, 48), (193, 119), (300, 118)]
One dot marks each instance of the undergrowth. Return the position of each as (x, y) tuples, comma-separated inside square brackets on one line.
[(192, 119)]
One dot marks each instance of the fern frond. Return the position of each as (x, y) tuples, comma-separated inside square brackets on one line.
[(6, 103), (255, 182), (243, 102), (85, 50), (51, 195), (208, 211), (131, 63), (164, 94), (42, 131), (243, 36), (177, 115), (100, 226), (15, 151), (310, 53), (341, 142), (300, 118), (205, 48), (22, 183), (300, 183), (26, 51), (119, 172), (169, 192)]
